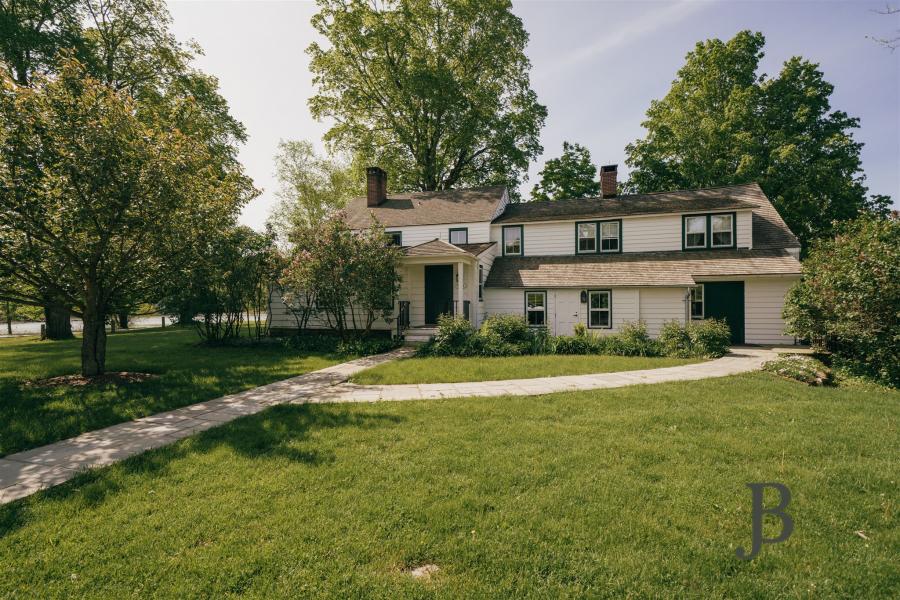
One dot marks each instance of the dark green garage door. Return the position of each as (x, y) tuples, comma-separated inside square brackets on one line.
[(725, 300)]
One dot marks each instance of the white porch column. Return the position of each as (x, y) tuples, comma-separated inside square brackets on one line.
[(460, 296)]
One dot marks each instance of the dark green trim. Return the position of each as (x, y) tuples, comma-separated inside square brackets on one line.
[(708, 234), (733, 230), (546, 305), (600, 249), (609, 291), (452, 229), (596, 237), (480, 282), (521, 239), (691, 302), (399, 233)]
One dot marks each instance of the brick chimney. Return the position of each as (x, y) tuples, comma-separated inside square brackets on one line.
[(608, 175), (376, 186)]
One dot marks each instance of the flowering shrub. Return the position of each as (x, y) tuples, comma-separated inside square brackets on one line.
[(801, 368)]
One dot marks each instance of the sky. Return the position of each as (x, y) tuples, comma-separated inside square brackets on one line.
[(596, 65)]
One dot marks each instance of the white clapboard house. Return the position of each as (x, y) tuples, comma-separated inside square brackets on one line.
[(721, 252)]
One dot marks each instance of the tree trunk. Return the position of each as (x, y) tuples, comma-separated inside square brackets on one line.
[(123, 320), (93, 343), (185, 318), (59, 322), (9, 316)]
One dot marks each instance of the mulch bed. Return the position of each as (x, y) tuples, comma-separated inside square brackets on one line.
[(115, 377)]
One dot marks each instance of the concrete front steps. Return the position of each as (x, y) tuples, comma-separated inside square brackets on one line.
[(418, 335)]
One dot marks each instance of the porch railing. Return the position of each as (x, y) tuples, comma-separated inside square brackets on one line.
[(403, 317)]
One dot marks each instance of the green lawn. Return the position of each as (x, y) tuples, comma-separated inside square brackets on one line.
[(636, 491), (446, 369), (189, 373)]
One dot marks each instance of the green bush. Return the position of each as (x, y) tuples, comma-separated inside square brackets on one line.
[(674, 340), (327, 342), (632, 340), (801, 368), (847, 302), (454, 337), (709, 338), (577, 344), (512, 329)]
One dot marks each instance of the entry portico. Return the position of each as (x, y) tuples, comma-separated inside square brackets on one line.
[(440, 278)]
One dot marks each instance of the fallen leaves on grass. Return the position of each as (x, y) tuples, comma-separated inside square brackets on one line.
[(114, 377)]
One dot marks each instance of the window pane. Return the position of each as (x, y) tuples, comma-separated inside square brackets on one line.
[(696, 310), (721, 238), (695, 240), (587, 244), (513, 238), (535, 300), (595, 300), (587, 230), (610, 244), (595, 319), (609, 230), (393, 237), (721, 223), (695, 224), (460, 236), (602, 318), (535, 318)]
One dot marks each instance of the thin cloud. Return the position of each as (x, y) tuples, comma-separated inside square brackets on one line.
[(631, 31)]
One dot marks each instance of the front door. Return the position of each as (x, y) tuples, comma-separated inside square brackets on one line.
[(438, 291), (725, 300)]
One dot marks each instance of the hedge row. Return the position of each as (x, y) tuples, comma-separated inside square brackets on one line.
[(510, 335)]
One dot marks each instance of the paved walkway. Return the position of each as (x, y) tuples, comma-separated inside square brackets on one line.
[(27, 472)]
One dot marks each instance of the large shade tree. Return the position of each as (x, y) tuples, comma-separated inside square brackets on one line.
[(571, 175), (103, 196), (127, 45), (723, 123), (437, 92)]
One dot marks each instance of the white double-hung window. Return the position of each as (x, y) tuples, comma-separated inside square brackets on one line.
[(599, 309), (536, 308), (587, 237), (722, 231), (512, 240), (697, 302), (609, 236), (695, 232)]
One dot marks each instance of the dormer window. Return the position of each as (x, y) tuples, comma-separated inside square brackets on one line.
[(708, 231), (722, 231), (695, 232), (587, 237), (611, 236), (598, 236)]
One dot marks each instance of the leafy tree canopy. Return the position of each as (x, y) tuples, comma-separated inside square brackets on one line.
[(847, 302), (99, 232), (311, 187), (572, 175), (721, 123), (436, 92)]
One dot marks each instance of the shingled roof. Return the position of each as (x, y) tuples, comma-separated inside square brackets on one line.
[(769, 230), (438, 247), (636, 268), (428, 208)]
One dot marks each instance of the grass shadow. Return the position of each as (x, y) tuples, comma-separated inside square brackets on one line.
[(271, 435)]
